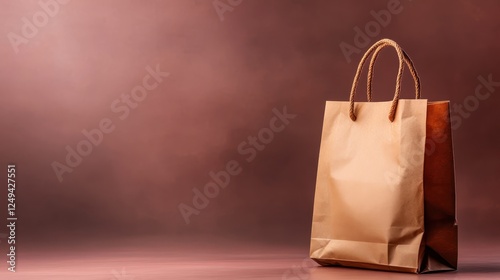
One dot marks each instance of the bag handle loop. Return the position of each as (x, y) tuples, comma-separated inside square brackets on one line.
[(409, 64), (402, 57)]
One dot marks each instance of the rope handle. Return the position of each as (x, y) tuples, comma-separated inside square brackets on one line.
[(402, 57), (409, 64)]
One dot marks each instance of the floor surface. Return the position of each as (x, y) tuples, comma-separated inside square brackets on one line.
[(236, 261)]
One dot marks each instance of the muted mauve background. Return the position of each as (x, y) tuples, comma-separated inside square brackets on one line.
[(227, 72)]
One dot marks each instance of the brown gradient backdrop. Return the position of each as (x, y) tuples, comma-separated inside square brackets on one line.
[(225, 79)]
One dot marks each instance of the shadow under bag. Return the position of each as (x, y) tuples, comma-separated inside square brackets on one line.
[(385, 189)]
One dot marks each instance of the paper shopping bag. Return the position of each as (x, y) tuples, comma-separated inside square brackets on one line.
[(385, 194)]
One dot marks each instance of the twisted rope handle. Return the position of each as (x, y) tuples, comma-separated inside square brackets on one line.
[(409, 64), (401, 57)]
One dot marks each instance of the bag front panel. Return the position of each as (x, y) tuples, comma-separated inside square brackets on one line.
[(368, 205)]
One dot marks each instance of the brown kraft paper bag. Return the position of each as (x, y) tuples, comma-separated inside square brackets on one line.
[(385, 189)]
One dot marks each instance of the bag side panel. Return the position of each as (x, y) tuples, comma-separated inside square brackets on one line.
[(441, 233)]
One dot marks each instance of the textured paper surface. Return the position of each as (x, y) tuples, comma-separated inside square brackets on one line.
[(369, 201)]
